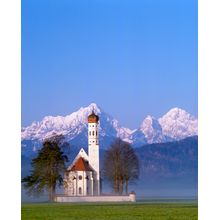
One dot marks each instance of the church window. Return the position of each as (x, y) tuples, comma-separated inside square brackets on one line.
[(80, 177), (96, 133), (93, 133), (80, 190), (90, 133)]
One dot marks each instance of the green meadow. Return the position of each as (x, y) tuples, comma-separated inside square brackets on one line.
[(109, 211)]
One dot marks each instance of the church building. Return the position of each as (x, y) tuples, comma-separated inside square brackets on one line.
[(82, 177)]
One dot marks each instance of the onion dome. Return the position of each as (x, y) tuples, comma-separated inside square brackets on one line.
[(93, 118)]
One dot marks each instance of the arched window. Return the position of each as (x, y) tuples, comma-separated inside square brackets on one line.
[(80, 177), (80, 191), (96, 133), (90, 133), (93, 133)]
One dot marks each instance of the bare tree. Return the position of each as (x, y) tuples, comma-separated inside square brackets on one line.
[(121, 166), (130, 166), (112, 166)]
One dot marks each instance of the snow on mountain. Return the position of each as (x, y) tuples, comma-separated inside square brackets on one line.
[(152, 130), (174, 125), (178, 124), (75, 124), (149, 132)]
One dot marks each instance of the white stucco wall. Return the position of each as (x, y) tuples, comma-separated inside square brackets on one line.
[(74, 183), (129, 198), (93, 142)]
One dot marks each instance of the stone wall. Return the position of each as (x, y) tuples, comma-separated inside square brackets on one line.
[(63, 198)]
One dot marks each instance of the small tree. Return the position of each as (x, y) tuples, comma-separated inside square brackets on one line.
[(121, 165), (130, 167), (48, 168), (112, 166)]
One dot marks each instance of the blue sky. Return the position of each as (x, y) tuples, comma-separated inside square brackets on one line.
[(132, 58)]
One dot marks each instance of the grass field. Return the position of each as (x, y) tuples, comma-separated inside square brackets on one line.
[(125, 211)]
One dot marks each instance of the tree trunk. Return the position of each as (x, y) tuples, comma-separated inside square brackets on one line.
[(116, 185), (51, 193), (121, 186), (126, 186)]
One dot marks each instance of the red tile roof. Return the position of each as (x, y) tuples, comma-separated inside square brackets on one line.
[(81, 165)]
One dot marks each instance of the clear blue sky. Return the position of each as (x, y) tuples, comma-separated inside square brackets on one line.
[(132, 58)]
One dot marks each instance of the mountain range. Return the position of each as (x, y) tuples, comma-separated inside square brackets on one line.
[(175, 125), (167, 147)]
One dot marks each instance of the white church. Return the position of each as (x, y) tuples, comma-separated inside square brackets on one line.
[(82, 177)]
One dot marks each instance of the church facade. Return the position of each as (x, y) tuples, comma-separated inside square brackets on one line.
[(82, 177)]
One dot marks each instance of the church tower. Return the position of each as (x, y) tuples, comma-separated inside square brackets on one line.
[(93, 146)]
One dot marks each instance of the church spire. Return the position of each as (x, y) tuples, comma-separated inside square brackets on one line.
[(93, 148)]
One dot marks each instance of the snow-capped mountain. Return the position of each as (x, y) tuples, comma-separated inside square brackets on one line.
[(150, 131), (174, 125), (74, 127), (178, 124)]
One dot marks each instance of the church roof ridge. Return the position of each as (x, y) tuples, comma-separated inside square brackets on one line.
[(81, 165)]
